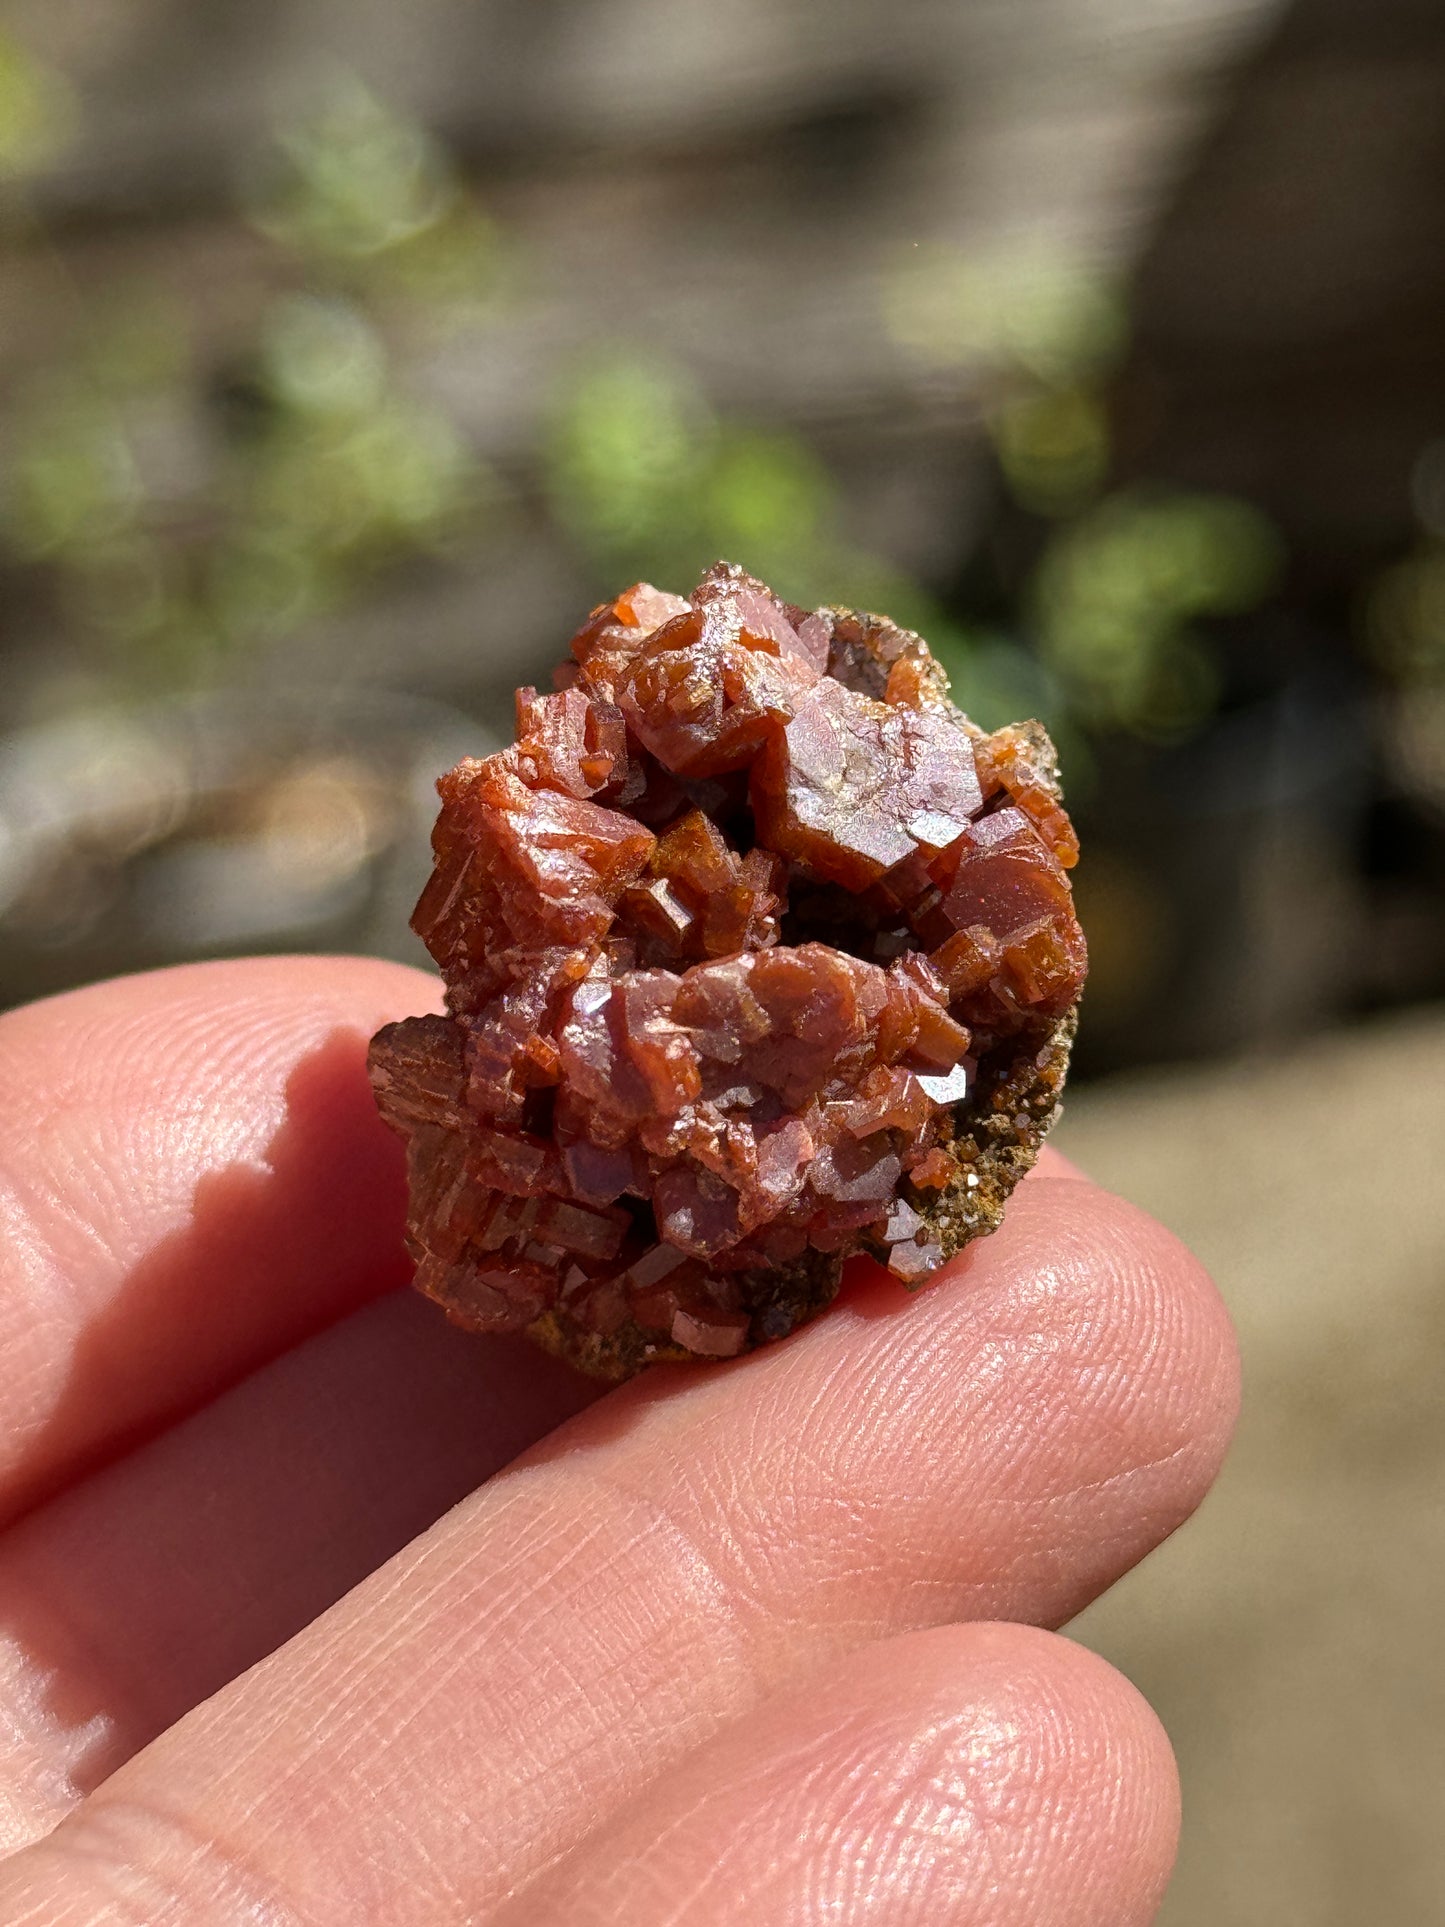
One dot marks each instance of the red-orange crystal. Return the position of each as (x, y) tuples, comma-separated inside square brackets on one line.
[(733, 938)]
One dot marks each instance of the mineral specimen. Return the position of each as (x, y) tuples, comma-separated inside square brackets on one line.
[(758, 953)]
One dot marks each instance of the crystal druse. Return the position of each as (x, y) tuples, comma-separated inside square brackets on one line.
[(758, 953)]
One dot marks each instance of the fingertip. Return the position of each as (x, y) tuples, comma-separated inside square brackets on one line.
[(1096, 1752), (968, 1773), (1099, 1763)]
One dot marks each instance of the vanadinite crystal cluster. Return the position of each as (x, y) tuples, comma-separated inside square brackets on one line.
[(758, 954)]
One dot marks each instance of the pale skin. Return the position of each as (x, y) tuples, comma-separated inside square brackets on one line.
[(314, 1610)]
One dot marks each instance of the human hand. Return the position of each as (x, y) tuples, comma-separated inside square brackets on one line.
[(722, 1645)]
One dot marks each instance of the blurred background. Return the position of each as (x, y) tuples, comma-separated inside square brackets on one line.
[(349, 353)]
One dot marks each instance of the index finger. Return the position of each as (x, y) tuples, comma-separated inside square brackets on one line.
[(193, 1177)]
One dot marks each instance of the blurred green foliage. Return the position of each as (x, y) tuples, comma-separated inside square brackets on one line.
[(37, 112), (368, 199), (1404, 607), (184, 518), (1405, 617), (651, 481), (1053, 448), (1117, 593), (1013, 306)]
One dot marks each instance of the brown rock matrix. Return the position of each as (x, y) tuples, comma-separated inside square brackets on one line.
[(758, 953)]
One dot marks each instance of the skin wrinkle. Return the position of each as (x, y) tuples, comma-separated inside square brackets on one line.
[(1147, 1471), (849, 1592), (182, 1117), (380, 1782), (37, 1219), (838, 1476), (841, 1869), (646, 1725), (353, 1692), (838, 1473), (957, 1811), (550, 1746), (54, 1567), (150, 1885), (378, 1791), (796, 1769), (735, 1578), (912, 1813), (710, 1581), (28, 1267), (752, 1557)]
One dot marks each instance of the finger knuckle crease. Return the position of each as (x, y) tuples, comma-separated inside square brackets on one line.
[(156, 1868)]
